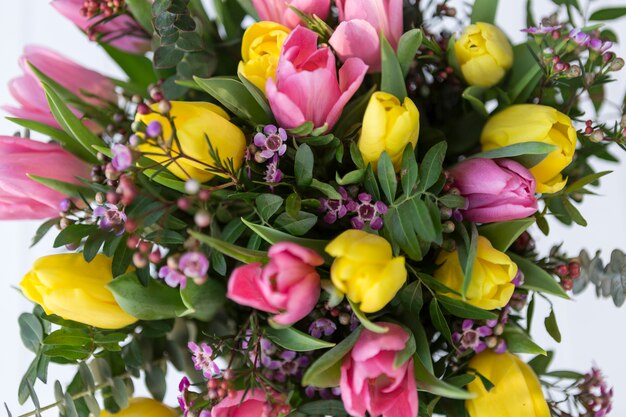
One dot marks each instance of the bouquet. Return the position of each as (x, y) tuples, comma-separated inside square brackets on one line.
[(311, 209)]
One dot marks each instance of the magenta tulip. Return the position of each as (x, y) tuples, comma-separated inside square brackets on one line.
[(306, 86), (370, 382), (278, 10), (361, 23), (122, 32), (496, 189), (252, 403), (89, 85), (22, 198), (288, 286)]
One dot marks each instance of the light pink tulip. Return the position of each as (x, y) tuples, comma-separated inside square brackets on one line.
[(361, 23), (496, 190), (89, 85), (370, 382), (254, 404), (279, 11), (306, 86), (122, 32), (22, 198), (288, 286)]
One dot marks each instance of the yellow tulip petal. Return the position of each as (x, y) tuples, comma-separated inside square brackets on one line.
[(143, 407)]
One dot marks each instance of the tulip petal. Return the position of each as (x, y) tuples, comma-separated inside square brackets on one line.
[(351, 76), (357, 38), (243, 288)]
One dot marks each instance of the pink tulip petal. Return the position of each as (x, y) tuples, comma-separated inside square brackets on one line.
[(243, 288), (357, 38), (351, 76)]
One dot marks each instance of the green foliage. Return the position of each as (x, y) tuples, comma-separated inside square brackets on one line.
[(519, 341), (392, 79), (484, 11), (503, 235), (292, 339), (536, 278)]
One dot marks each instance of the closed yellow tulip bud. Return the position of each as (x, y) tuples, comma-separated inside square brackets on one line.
[(260, 49), (484, 54), (516, 392), (388, 125), (68, 286), (535, 123), (143, 407), (490, 286), (195, 122), (365, 269)]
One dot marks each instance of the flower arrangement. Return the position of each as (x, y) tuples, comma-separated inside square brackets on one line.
[(310, 208)]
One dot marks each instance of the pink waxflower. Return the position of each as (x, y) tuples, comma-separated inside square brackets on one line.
[(288, 286), (251, 403), (279, 11), (89, 85), (122, 31), (306, 86), (371, 383), (496, 190), (22, 198), (362, 21)]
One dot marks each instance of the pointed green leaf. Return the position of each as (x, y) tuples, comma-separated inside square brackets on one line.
[(392, 78), (293, 339), (503, 235), (239, 253)]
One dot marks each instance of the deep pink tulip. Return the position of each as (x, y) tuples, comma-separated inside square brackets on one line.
[(361, 23), (496, 189), (288, 286), (89, 85), (306, 86), (254, 404), (371, 383), (22, 198), (122, 32), (279, 11)]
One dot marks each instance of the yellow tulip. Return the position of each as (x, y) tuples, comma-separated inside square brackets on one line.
[(516, 392), (535, 123), (68, 286), (490, 286), (484, 54), (388, 125), (195, 123), (260, 49), (365, 269), (143, 407)]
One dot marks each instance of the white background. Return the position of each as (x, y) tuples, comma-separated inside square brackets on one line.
[(594, 331)]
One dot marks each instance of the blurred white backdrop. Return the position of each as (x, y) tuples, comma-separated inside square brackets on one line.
[(594, 331)]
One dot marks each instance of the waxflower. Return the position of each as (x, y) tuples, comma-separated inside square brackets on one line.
[(490, 286), (72, 288), (249, 403), (307, 87), (110, 218), (22, 198), (361, 22), (367, 212), (288, 286), (280, 12), (203, 359), (512, 379), (484, 54), (495, 190), (522, 123), (122, 157), (365, 269), (370, 380), (260, 49), (195, 123), (388, 126), (140, 407), (270, 142)]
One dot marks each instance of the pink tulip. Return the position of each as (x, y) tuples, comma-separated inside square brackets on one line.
[(306, 86), (288, 286), (89, 85), (279, 11), (22, 198), (361, 23), (496, 190), (122, 32), (371, 383), (253, 403)]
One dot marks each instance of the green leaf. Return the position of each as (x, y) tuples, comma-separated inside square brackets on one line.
[(293, 339), (407, 352), (205, 299), (58, 135), (438, 319), (552, 326), (318, 408), (472, 94), (484, 11), (157, 301), (68, 337), (325, 371), (425, 226), (267, 205), (239, 253), (467, 256), (587, 179), (352, 177), (409, 170), (258, 95), (387, 177), (428, 382), (71, 353), (370, 183), (519, 149), (303, 168), (142, 11), (432, 165), (524, 75), (43, 229), (65, 188), (400, 224), (573, 212), (328, 190), (519, 342), (392, 78), (407, 49), (74, 234), (610, 13), (119, 392), (31, 331), (235, 97), (453, 201), (503, 235), (138, 68), (297, 226), (536, 278), (465, 310), (371, 326), (412, 299), (292, 205), (304, 129), (155, 382)]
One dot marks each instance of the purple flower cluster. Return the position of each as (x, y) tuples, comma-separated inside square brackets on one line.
[(185, 399), (322, 327), (541, 30), (478, 337), (194, 265), (110, 218), (267, 148), (365, 210), (122, 157), (587, 41), (595, 395), (279, 365), (203, 359)]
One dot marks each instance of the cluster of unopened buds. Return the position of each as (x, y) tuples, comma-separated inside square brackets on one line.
[(145, 251), (567, 273), (595, 395), (196, 196), (477, 336), (446, 10), (91, 8), (364, 210)]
